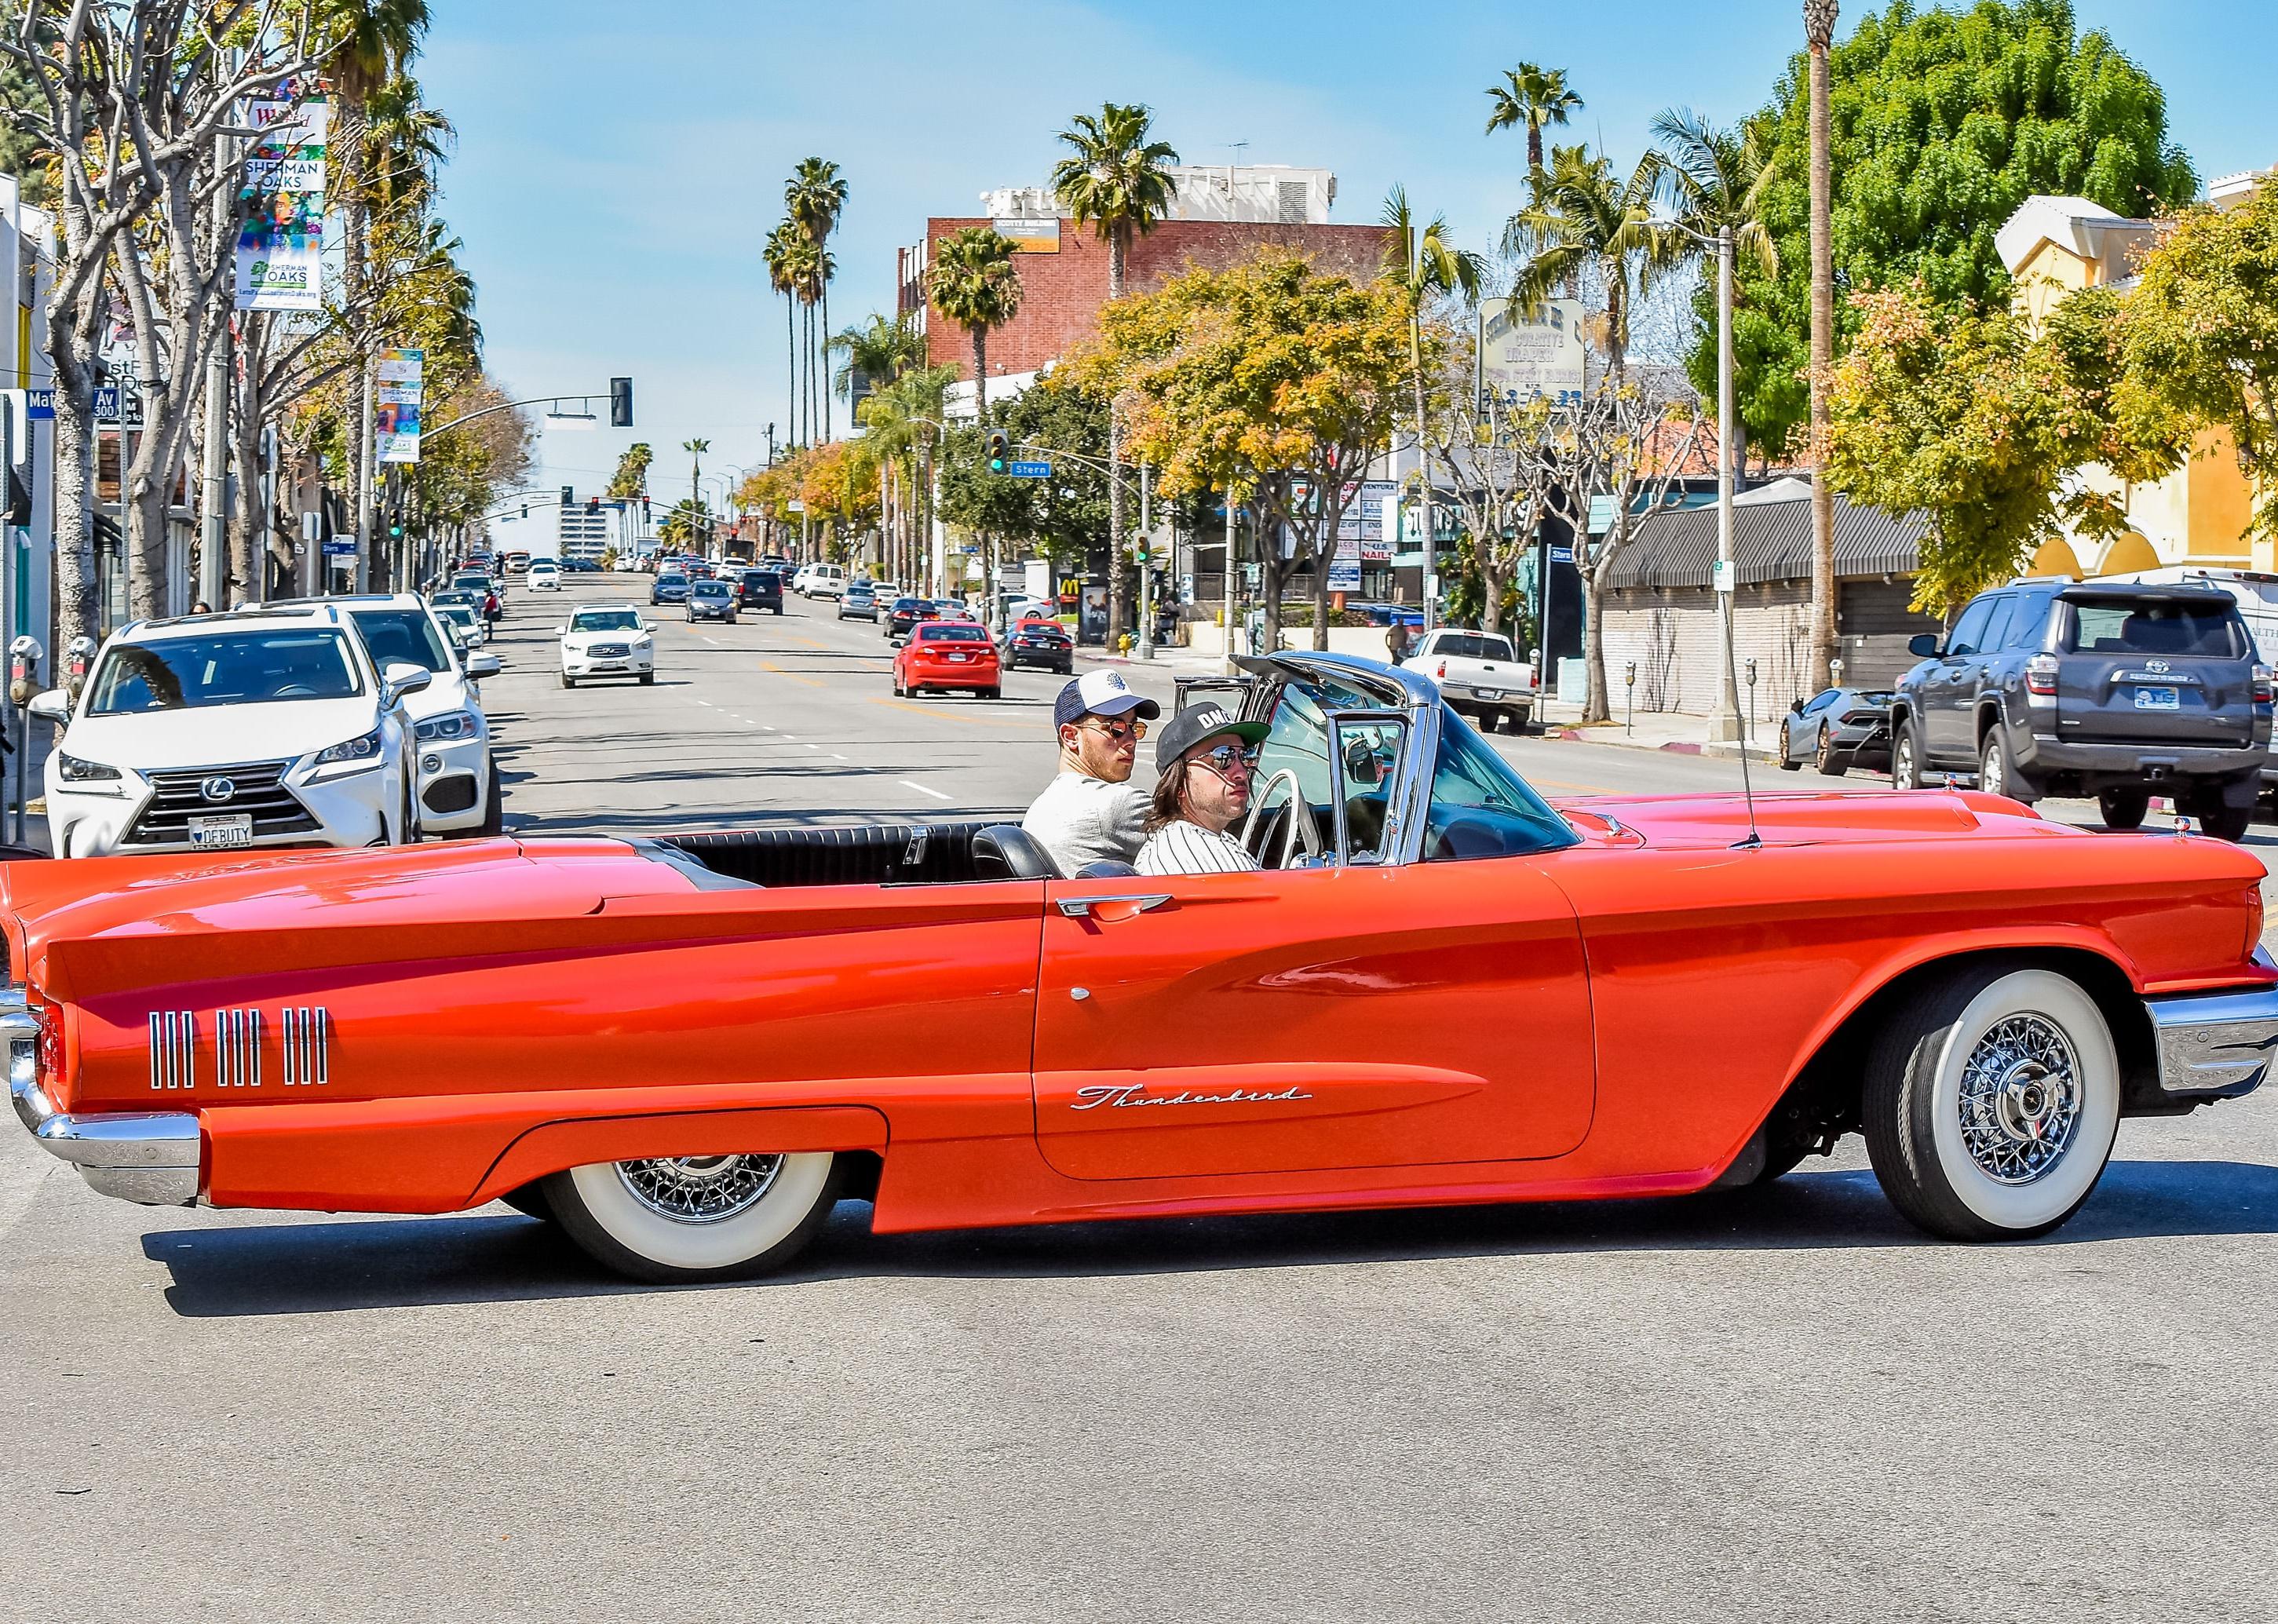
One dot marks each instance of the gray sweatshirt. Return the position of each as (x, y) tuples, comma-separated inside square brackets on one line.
[(1081, 820)]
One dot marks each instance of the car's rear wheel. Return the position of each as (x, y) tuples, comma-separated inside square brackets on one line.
[(2123, 809), (1825, 757), (681, 1218), (1992, 1102), (992, 693), (529, 1201), (2218, 817), (1997, 774)]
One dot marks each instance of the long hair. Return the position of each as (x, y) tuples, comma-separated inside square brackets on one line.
[(1168, 803)]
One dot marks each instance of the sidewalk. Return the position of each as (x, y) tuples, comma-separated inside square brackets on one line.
[(1670, 730)]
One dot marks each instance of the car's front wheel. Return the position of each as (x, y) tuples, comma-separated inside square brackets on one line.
[(1830, 761), (1992, 1102), (684, 1218), (1905, 758)]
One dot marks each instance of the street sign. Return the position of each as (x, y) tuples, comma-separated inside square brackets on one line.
[(340, 546), (1029, 471), (1562, 555), (40, 405)]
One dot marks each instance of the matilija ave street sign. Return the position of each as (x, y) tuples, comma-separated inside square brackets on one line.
[(1029, 471)]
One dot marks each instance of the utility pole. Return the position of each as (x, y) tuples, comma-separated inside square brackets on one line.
[(1226, 580), (1726, 724), (368, 465), (1146, 562)]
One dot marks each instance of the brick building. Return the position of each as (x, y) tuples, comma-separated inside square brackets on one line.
[(1220, 217)]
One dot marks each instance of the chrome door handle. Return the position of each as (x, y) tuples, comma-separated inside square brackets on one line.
[(1081, 907)]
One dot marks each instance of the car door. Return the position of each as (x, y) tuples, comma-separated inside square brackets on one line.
[(1369, 1015), (1949, 690)]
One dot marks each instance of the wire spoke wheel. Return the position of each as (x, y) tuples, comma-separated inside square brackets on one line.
[(2019, 1100), (700, 1189)]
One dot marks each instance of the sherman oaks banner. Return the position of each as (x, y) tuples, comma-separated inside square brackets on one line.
[(281, 244), (396, 416)]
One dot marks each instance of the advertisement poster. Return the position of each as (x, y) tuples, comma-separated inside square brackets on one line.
[(396, 416), (1523, 361), (281, 244)]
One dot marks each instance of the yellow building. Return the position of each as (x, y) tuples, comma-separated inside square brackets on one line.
[(2197, 514)]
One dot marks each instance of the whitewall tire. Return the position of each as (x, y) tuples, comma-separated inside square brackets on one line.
[(690, 1218), (1992, 1102)]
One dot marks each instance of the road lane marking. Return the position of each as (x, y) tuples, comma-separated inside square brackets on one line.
[(977, 721), (812, 643), (921, 789), (771, 666)]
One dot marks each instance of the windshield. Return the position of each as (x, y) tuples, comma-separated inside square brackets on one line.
[(2151, 626), (672, 578), (760, 580), (606, 620), (245, 668), (471, 583), (1473, 646), (1479, 807), (456, 614), (708, 589), (402, 634)]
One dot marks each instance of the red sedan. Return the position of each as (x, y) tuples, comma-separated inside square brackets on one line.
[(948, 655)]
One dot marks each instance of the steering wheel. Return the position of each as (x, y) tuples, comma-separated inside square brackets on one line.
[(1301, 828), (294, 691)]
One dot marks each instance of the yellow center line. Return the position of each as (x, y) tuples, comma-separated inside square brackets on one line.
[(794, 677), (810, 641), (970, 721)]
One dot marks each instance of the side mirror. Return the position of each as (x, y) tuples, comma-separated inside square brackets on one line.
[(402, 677), (53, 706), (560, 631), (1796, 707), (480, 666), (1923, 645)]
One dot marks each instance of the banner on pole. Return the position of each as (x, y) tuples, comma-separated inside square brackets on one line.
[(395, 415), (281, 244)]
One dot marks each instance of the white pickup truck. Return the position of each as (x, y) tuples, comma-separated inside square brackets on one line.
[(1478, 673)]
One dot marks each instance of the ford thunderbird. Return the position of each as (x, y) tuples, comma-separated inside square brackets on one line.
[(1439, 988)]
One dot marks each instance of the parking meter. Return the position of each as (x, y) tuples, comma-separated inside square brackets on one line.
[(24, 656), (1835, 673), (78, 657), (1629, 680), (1750, 668)]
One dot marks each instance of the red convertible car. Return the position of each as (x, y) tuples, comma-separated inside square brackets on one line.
[(1440, 988)]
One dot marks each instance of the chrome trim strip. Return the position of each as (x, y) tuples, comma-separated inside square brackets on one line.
[(306, 1040), (1081, 907), (237, 1047), (150, 1157), (173, 1050), (2216, 1042)]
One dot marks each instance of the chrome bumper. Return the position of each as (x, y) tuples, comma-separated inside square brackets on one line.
[(2215, 1046), (150, 1157)]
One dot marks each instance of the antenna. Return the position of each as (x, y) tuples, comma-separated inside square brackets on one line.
[(1725, 582)]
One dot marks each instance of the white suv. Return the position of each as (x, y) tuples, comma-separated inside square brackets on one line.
[(458, 778), (820, 581), (268, 726)]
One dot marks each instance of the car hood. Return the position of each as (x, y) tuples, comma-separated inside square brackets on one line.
[(220, 735)]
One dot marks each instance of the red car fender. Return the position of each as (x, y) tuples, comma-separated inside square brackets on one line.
[(556, 1146)]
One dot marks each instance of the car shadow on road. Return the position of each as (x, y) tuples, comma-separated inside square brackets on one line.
[(336, 1266)]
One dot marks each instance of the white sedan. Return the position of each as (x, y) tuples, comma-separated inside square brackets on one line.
[(607, 640), (545, 576), (268, 729)]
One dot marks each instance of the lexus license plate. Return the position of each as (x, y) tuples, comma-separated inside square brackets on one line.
[(2157, 699), (231, 829)]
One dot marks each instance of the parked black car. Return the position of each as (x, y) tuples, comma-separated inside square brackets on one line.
[(2118, 691), (1040, 642), (1837, 728), (759, 589)]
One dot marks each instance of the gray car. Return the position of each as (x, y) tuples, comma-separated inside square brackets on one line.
[(711, 600), (859, 601), (2118, 691), (1837, 728)]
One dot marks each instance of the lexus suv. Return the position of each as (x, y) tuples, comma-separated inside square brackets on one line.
[(271, 726), (2114, 689)]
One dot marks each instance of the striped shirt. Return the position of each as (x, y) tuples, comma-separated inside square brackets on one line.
[(1184, 847)]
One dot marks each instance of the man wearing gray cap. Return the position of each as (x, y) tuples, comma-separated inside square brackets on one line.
[(1202, 789), (1092, 813)]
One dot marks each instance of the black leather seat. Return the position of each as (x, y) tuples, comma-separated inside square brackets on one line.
[(837, 854), (1007, 852), (1105, 870)]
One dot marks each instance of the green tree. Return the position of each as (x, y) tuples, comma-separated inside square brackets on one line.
[(2200, 334), (781, 255), (1584, 216), (881, 351), (1531, 98), (1422, 264), (974, 284), (1943, 123), (695, 448), (1117, 180), (814, 197)]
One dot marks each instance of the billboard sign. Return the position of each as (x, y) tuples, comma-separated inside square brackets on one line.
[(396, 415), (1521, 361), (281, 242), (1029, 236)]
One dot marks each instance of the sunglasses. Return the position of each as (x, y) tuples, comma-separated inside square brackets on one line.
[(1224, 758), (1121, 732)]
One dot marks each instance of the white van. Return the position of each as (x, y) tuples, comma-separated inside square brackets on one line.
[(822, 581)]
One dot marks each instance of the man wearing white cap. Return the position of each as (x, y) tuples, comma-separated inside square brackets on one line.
[(1092, 813)]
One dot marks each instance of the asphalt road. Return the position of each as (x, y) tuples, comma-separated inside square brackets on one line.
[(1779, 1404)]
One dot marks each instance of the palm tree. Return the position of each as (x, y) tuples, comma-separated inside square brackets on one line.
[(1819, 35), (815, 196), (1422, 264), (1716, 179), (973, 284), (1529, 98), (880, 351), (1119, 182), (696, 450), (778, 254), (1583, 215)]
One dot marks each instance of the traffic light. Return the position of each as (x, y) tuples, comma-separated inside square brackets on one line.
[(621, 403), (568, 496), (526, 510), (394, 526), (1000, 450), (593, 505)]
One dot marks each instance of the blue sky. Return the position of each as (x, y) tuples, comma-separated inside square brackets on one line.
[(618, 165)]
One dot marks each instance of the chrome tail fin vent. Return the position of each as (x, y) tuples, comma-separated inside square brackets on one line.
[(308, 1039), (237, 1048), (173, 1050)]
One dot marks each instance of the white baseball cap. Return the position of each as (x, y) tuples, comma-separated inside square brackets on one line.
[(1100, 693)]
